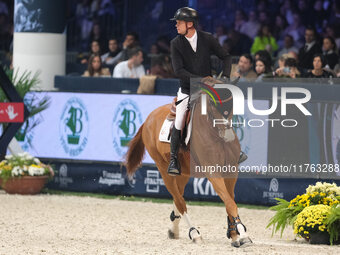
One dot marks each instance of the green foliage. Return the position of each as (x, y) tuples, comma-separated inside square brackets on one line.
[(333, 224), (284, 216), (23, 84)]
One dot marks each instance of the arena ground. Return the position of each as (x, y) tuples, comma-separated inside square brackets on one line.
[(56, 224)]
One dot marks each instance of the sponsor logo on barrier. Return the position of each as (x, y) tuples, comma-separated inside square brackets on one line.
[(153, 181), (63, 179), (126, 120), (109, 179), (203, 187), (74, 127), (273, 190)]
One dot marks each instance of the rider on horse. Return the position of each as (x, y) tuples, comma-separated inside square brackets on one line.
[(190, 54)]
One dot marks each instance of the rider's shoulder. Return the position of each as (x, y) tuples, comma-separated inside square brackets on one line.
[(204, 34), (177, 39)]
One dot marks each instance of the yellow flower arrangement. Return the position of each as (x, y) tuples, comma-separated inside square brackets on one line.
[(315, 211), (311, 220)]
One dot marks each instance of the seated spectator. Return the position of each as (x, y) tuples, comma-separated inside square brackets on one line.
[(131, 68), (252, 26), (307, 52), (96, 35), (243, 69), (262, 68), (318, 71), (95, 68), (111, 58), (163, 45), (161, 67), (264, 41), (264, 55), (95, 49), (131, 41), (288, 46), (330, 52), (288, 70), (240, 20)]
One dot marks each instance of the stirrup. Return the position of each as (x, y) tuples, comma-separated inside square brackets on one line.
[(243, 157), (234, 224)]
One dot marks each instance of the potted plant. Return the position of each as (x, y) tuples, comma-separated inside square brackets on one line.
[(23, 174), (314, 215)]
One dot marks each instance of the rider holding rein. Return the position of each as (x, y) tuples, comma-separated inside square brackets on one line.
[(190, 53)]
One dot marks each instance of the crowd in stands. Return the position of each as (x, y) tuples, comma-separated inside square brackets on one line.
[(282, 38)]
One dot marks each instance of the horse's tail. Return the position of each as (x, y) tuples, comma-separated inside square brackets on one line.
[(135, 153)]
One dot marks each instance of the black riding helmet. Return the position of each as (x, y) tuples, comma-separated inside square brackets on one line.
[(186, 14)]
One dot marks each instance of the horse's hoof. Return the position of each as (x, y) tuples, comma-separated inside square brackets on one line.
[(245, 242), (236, 244), (197, 240), (172, 235)]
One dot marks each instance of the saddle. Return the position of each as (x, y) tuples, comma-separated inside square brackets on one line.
[(172, 113)]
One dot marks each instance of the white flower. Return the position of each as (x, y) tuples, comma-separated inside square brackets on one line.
[(37, 161), (36, 171), (8, 157), (17, 171)]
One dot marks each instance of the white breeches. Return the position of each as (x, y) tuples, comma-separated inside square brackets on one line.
[(181, 109)]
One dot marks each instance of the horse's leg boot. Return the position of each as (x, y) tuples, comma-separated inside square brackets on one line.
[(174, 167), (243, 157)]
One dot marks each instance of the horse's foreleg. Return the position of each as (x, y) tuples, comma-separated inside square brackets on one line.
[(175, 218)]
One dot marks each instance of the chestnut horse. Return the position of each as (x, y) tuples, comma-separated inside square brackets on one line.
[(209, 146)]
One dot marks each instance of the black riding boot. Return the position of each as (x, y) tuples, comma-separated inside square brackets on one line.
[(174, 167), (243, 157)]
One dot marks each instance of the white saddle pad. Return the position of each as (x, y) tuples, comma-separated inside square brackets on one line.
[(164, 134)]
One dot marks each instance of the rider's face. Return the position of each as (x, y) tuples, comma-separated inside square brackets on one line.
[(181, 27)]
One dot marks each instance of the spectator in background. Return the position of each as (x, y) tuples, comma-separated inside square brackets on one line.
[(163, 44), (161, 67), (262, 68), (296, 30), (318, 71), (240, 20), (95, 68), (319, 15), (131, 41), (220, 34), (288, 46), (239, 43), (307, 52), (330, 52), (96, 35), (304, 12), (330, 31), (85, 23), (263, 18), (131, 68), (280, 27), (287, 11), (252, 26), (111, 58), (264, 41), (264, 55), (95, 49), (243, 69), (289, 69)]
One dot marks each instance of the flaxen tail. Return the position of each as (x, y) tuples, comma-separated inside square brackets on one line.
[(135, 153)]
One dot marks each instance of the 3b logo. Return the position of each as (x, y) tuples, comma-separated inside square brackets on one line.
[(126, 121), (74, 127)]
